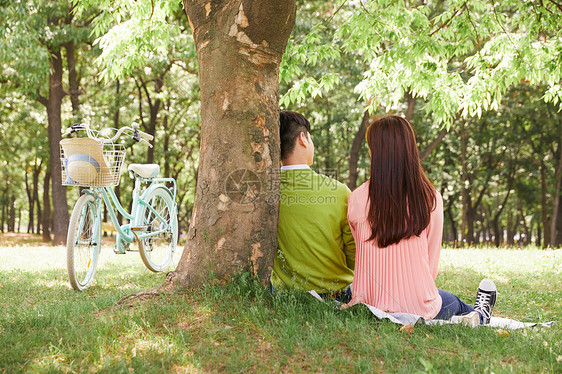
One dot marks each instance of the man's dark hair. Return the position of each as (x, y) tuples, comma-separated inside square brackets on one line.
[(292, 124)]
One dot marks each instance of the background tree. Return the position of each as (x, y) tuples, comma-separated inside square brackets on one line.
[(37, 37), (457, 65)]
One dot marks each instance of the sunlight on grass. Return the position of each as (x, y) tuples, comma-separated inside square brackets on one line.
[(46, 258), (503, 261)]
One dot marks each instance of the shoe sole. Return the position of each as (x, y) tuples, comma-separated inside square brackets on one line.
[(471, 319)]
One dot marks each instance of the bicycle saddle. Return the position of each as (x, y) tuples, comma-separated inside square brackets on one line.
[(145, 170)]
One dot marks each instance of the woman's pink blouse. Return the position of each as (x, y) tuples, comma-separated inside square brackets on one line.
[(400, 277)]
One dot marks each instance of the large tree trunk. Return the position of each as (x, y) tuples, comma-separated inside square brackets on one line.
[(53, 104), (234, 224)]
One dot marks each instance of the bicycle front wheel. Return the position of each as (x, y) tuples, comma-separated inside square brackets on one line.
[(83, 242), (161, 222)]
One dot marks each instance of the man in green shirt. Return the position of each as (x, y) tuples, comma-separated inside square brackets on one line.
[(315, 250)]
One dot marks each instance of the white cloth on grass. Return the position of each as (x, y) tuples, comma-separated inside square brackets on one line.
[(412, 319)]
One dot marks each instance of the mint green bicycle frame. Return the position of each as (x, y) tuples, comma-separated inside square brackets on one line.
[(124, 233)]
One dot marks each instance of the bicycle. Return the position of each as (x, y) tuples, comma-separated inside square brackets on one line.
[(95, 162)]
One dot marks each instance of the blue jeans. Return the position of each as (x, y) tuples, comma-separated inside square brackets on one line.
[(344, 296), (452, 306)]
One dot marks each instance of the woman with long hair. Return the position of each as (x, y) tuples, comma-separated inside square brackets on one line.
[(396, 219)]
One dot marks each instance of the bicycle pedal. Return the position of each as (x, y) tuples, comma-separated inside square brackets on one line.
[(139, 228), (118, 252)]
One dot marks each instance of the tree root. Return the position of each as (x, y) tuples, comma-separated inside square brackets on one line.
[(132, 299), (172, 284)]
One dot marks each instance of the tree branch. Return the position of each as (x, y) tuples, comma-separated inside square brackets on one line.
[(427, 151), (183, 67), (42, 99), (336, 12), (558, 5), (445, 23)]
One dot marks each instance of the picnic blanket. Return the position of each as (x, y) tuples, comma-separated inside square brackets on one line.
[(412, 319)]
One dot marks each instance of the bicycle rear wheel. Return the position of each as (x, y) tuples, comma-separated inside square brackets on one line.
[(83, 243), (156, 251)]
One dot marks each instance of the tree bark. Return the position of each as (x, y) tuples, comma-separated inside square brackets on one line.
[(116, 124), (154, 107), (53, 104), (449, 213), (544, 207), (18, 219), (467, 220), (30, 202), (46, 219), (4, 206), (558, 239), (36, 197), (512, 224), (234, 223), (526, 228), (496, 219), (12, 214), (411, 106), (539, 235), (555, 205), (73, 84), (354, 151)]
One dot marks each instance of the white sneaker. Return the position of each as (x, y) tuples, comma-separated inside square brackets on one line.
[(471, 319)]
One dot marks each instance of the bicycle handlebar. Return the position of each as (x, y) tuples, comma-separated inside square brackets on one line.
[(137, 134)]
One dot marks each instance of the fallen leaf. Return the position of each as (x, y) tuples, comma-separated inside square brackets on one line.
[(502, 333), (408, 328), (226, 327)]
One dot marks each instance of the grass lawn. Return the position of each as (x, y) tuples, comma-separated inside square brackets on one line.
[(47, 327)]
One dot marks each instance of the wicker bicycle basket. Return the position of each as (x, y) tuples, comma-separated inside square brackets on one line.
[(89, 163)]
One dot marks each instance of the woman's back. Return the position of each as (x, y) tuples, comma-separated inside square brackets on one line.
[(401, 276)]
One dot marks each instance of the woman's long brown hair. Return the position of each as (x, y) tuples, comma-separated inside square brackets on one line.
[(401, 197)]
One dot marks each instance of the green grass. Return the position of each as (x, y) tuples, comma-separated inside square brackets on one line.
[(47, 327)]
